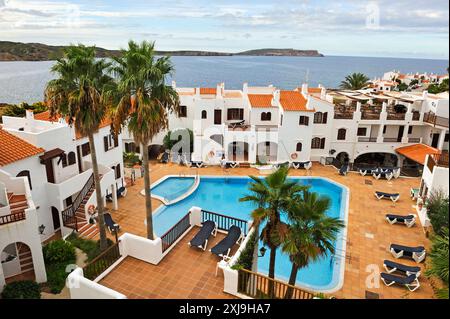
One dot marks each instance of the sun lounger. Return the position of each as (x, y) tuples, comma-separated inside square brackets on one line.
[(197, 164), (109, 222), (386, 175), (392, 267), (230, 165), (408, 220), (223, 248), (200, 240), (302, 165), (280, 165), (121, 192), (416, 253), (393, 197), (344, 170), (411, 282)]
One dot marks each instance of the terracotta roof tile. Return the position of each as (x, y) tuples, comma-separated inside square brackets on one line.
[(314, 90), (260, 100), (45, 116), (293, 101), (417, 152), (13, 148), (208, 91)]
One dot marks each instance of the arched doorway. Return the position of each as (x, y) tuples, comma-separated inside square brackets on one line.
[(55, 218), (376, 160), (154, 150), (17, 262), (266, 152), (238, 151)]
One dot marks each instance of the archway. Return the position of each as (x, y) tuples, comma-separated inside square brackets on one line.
[(342, 158), (17, 262), (266, 152), (376, 160), (238, 151), (154, 150)]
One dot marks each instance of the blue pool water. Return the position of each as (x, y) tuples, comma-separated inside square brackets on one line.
[(221, 195), (173, 187)]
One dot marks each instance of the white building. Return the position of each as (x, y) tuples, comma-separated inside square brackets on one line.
[(58, 173)]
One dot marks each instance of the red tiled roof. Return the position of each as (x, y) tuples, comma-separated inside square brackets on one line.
[(417, 152), (45, 116), (13, 148), (293, 101), (314, 90), (260, 100), (208, 91)]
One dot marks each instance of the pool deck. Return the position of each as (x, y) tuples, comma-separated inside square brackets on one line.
[(368, 239)]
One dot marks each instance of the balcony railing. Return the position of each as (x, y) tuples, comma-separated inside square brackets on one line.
[(392, 140), (367, 139), (225, 222), (414, 140), (12, 218), (396, 116), (416, 116), (343, 116), (432, 118), (262, 287), (437, 160), (102, 262), (366, 115), (171, 236)]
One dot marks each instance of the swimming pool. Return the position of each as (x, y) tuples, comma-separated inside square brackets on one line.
[(173, 187), (221, 195)]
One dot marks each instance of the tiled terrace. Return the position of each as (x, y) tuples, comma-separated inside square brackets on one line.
[(369, 236)]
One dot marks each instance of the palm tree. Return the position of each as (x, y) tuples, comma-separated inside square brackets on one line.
[(355, 81), (439, 261), (77, 94), (311, 233), (271, 197), (142, 101)]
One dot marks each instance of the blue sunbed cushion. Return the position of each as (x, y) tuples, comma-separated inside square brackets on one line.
[(387, 194), (400, 280), (203, 234), (417, 249), (400, 217), (232, 237), (401, 267)]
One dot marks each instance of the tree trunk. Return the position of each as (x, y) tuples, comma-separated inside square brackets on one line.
[(273, 253), (148, 197), (255, 249), (98, 192), (292, 281)]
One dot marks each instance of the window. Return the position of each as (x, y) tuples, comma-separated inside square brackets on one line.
[(27, 175), (446, 138), (342, 132), (303, 120), (110, 141), (320, 118), (281, 120), (299, 147), (266, 116), (384, 129), (204, 115), (85, 149), (117, 171), (325, 118), (71, 158), (318, 143), (410, 129), (183, 111), (362, 131), (235, 114), (63, 160)]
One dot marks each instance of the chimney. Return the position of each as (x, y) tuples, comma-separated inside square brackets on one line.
[(245, 88), (219, 89), (174, 84), (29, 115), (305, 88), (323, 92), (276, 98)]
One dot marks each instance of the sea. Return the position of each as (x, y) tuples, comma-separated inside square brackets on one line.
[(26, 81)]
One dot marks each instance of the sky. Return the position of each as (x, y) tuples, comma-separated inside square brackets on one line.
[(400, 28)]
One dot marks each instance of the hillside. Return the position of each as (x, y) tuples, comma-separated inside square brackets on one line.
[(15, 51)]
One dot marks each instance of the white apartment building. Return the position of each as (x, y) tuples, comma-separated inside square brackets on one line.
[(54, 161), (269, 125)]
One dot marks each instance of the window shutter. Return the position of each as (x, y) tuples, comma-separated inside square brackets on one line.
[(306, 120), (116, 140), (322, 143), (118, 174), (105, 142), (325, 118)]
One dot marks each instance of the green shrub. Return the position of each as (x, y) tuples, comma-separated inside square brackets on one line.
[(439, 261), (59, 251), (22, 290), (437, 206), (245, 260), (56, 276), (89, 247), (131, 158)]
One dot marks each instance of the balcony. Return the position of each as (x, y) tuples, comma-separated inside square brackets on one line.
[(343, 112), (416, 116), (414, 140), (370, 115), (433, 119), (440, 160), (392, 140), (396, 116), (367, 139)]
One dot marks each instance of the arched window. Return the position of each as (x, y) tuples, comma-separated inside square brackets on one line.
[(72, 158), (27, 175), (268, 116), (318, 117), (342, 132), (204, 115), (299, 147), (318, 143)]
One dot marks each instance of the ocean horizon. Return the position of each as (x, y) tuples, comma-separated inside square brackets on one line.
[(25, 81)]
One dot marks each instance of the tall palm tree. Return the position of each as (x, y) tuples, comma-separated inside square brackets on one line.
[(439, 257), (271, 197), (311, 233), (77, 94), (355, 81), (142, 101)]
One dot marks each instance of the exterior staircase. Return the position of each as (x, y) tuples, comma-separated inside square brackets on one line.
[(17, 203), (74, 216), (25, 258)]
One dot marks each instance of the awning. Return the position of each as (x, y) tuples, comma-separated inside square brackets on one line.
[(417, 152), (57, 152)]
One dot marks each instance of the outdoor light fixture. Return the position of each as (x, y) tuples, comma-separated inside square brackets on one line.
[(262, 251), (41, 229)]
